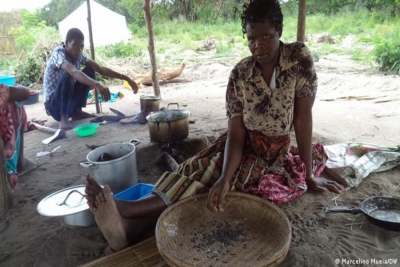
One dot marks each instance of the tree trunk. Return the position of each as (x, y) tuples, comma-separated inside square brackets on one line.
[(89, 19), (6, 198), (219, 8), (186, 9), (301, 23), (156, 85)]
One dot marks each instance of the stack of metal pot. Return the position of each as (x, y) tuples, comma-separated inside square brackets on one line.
[(148, 104), (119, 172)]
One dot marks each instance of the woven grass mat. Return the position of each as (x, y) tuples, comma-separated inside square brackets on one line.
[(143, 254)]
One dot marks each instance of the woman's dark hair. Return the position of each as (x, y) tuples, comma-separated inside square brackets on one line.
[(74, 34), (261, 11)]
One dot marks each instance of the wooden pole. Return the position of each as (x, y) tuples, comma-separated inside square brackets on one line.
[(301, 23), (96, 98), (156, 85), (6, 198)]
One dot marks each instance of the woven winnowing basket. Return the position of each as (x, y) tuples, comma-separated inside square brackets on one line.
[(250, 232)]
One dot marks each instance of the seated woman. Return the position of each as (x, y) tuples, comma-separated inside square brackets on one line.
[(267, 93), (12, 127)]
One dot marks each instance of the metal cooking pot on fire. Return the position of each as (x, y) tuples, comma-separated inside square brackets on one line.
[(171, 125)]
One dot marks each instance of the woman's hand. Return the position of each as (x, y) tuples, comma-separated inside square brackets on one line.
[(17, 92), (217, 195), (320, 184)]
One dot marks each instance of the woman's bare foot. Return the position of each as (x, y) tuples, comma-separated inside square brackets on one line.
[(109, 220), (92, 190), (80, 115), (26, 166), (64, 123)]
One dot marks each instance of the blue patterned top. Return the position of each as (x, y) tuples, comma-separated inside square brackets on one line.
[(53, 70)]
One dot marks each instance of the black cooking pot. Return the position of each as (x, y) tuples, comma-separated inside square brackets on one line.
[(171, 125), (381, 211)]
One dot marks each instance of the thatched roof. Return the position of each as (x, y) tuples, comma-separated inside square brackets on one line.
[(8, 20)]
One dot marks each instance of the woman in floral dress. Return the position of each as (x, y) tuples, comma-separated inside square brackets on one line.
[(267, 93), (12, 126)]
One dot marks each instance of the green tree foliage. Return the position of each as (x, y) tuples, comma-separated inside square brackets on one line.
[(32, 31), (30, 38), (334, 6), (57, 10), (208, 10), (219, 11)]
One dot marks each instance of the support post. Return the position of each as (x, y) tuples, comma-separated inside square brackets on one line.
[(301, 22), (156, 85), (89, 19)]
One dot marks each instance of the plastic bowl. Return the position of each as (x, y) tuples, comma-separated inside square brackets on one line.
[(33, 98), (86, 129)]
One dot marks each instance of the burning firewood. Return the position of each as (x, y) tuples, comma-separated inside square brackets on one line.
[(173, 165)]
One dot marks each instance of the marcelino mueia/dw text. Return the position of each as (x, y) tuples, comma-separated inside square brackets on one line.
[(370, 261)]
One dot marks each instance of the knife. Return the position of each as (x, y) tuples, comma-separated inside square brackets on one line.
[(120, 114)]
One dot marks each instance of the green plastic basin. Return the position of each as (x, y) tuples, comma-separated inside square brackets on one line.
[(86, 129)]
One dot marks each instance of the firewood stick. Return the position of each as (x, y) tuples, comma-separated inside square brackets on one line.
[(44, 128), (174, 166)]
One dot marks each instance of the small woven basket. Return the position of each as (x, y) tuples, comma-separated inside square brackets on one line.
[(250, 232)]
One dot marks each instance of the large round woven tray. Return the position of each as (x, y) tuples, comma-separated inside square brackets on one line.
[(250, 232)]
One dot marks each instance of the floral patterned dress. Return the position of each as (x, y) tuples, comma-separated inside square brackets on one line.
[(270, 167), (12, 122)]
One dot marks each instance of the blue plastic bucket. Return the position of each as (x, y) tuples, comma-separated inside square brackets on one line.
[(135, 192), (7, 80)]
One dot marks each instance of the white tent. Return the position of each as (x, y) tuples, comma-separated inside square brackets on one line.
[(108, 27)]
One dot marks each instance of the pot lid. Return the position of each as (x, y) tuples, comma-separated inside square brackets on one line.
[(150, 97), (167, 115), (64, 202)]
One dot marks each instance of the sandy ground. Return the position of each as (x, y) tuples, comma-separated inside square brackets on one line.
[(352, 105)]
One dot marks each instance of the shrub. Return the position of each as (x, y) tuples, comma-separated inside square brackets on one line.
[(387, 52), (30, 70), (121, 50), (387, 47), (33, 33)]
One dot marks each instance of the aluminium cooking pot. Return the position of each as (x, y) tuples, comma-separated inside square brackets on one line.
[(381, 211), (171, 125), (118, 173)]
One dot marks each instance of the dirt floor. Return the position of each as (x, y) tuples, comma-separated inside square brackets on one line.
[(352, 105)]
